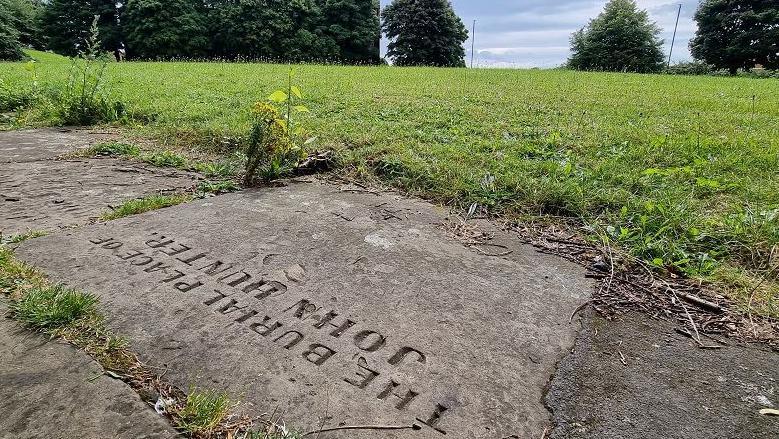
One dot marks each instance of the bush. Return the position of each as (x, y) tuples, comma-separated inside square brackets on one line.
[(694, 68), (10, 47), (83, 100), (691, 68), (270, 152)]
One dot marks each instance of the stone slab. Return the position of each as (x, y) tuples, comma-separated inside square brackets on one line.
[(333, 308), (52, 194), (51, 390), (669, 388), (42, 144)]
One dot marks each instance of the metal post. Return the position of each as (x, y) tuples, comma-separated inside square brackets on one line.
[(473, 40), (673, 40)]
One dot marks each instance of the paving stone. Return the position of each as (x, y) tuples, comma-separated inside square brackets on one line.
[(43, 144), (334, 308), (52, 194), (51, 390)]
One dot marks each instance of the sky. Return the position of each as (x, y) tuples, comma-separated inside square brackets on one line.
[(535, 33)]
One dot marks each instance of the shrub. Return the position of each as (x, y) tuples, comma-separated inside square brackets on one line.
[(272, 150), (691, 68), (83, 100)]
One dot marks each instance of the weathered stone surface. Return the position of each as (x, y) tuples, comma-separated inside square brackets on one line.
[(51, 390), (668, 388), (42, 144), (51, 194), (333, 308)]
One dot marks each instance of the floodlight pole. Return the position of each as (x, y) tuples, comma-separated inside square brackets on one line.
[(673, 39), (473, 40)]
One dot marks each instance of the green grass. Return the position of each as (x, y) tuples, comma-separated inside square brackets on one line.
[(52, 307), (223, 168), (678, 171), (16, 239), (202, 411), (146, 204)]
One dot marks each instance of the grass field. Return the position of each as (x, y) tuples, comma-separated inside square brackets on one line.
[(682, 172)]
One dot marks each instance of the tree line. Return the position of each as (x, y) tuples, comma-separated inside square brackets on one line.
[(289, 30), (732, 34)]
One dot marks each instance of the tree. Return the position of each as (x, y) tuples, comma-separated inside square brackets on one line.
[(735, 34), (25, 16), (620, 39), (10, 47), (353, 27), (424, 32), (262, 29), (66, 24), (165, 29)]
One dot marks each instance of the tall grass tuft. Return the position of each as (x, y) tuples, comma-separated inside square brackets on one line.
[(146, 204), (52, 307), (203, 411)]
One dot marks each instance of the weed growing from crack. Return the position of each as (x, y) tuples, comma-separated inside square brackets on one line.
[(202, 411), (146, 204), (216, 187), (52, 307), (165, 159), (83, 100), (21, 237)]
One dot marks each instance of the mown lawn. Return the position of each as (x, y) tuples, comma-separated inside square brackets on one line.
[(682, 172)]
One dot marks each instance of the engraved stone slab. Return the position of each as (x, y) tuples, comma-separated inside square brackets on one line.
[(48, 194), (333, 308)]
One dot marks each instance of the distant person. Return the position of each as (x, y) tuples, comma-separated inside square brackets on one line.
[(120, 53)]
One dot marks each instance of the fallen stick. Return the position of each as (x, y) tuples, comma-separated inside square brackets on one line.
[(365, 427), (578, 308), (703, 303)]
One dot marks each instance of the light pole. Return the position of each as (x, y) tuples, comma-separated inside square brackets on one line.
[(673, 39), (473, 40)]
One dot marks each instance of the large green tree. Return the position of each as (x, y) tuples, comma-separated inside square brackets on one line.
[(10, 47), (164, 29), (274, 29), (25, 18), (735, 34), (345, 30), (424, 32), (620, 39), (353, 28), (65, 23)]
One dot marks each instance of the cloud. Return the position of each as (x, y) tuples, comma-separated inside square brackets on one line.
[(536, 33)]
